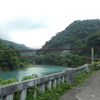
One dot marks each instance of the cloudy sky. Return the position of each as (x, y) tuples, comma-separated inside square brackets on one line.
[(33, 22)]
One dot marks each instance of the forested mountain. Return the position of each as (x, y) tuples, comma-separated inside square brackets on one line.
[(76, 35), (79, 34), (11, 61), (18, 46), (15, 45)]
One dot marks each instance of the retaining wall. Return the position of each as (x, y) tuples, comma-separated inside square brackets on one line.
[(7, 91)]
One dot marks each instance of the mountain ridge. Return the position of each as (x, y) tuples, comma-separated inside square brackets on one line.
[(15, 45), (18, 46), (75, 34)]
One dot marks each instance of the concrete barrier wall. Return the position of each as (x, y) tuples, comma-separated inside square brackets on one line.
[(7, 91)]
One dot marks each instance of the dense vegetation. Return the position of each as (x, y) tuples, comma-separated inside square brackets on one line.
[(13, 80), (18, 46), (68, 60), (11, 61), (15, 45), (77, 35)]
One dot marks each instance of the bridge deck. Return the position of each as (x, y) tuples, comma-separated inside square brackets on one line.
[(88, 90)]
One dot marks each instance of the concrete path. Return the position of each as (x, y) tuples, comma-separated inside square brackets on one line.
[(88, 90)]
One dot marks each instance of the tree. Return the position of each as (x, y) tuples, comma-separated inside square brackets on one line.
[(93, 40)]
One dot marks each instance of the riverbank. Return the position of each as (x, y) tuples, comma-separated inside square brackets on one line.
[(30, 65), (26, 66)]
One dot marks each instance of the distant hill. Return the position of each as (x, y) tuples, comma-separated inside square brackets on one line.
[(75, 35), (12, 60), (15, 45), (18, 46)]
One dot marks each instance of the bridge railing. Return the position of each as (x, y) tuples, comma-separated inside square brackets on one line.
[(7, 91)]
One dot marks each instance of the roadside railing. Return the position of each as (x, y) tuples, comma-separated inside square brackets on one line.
[(7, 91)]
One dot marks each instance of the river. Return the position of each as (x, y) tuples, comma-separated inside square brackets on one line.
[(40, 70)]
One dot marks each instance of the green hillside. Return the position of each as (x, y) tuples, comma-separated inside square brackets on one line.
[(15, 45), (11, 61), (18, 46), (76, 35), (79, 34)]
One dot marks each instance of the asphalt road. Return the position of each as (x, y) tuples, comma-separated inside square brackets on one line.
[(88, 90)]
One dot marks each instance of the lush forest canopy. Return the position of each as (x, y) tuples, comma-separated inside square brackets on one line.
[(79, 34), (11, 61), (76, 35), (67, 60), (18, 46)]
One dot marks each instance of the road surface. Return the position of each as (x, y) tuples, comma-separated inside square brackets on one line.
[(88, 90)]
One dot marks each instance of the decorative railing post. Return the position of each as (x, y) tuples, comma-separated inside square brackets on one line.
[(59, 80), (54, 83), (62, 79), (41, 87), (23, 94), (48, 84), (8, 97), (35, 93), (70, 75)]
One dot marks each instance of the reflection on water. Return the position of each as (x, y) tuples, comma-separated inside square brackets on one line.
[(40, 70)]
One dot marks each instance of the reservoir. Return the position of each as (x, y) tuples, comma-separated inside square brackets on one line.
[(40, 70)]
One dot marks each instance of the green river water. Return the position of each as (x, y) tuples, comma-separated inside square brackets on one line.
[(40, 70)]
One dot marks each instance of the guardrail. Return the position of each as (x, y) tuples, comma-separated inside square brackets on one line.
[(7, 91)]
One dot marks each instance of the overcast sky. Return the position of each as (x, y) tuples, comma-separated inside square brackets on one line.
[(33, 22)]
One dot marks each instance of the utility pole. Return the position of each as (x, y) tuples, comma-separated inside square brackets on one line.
[(92, 55)]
